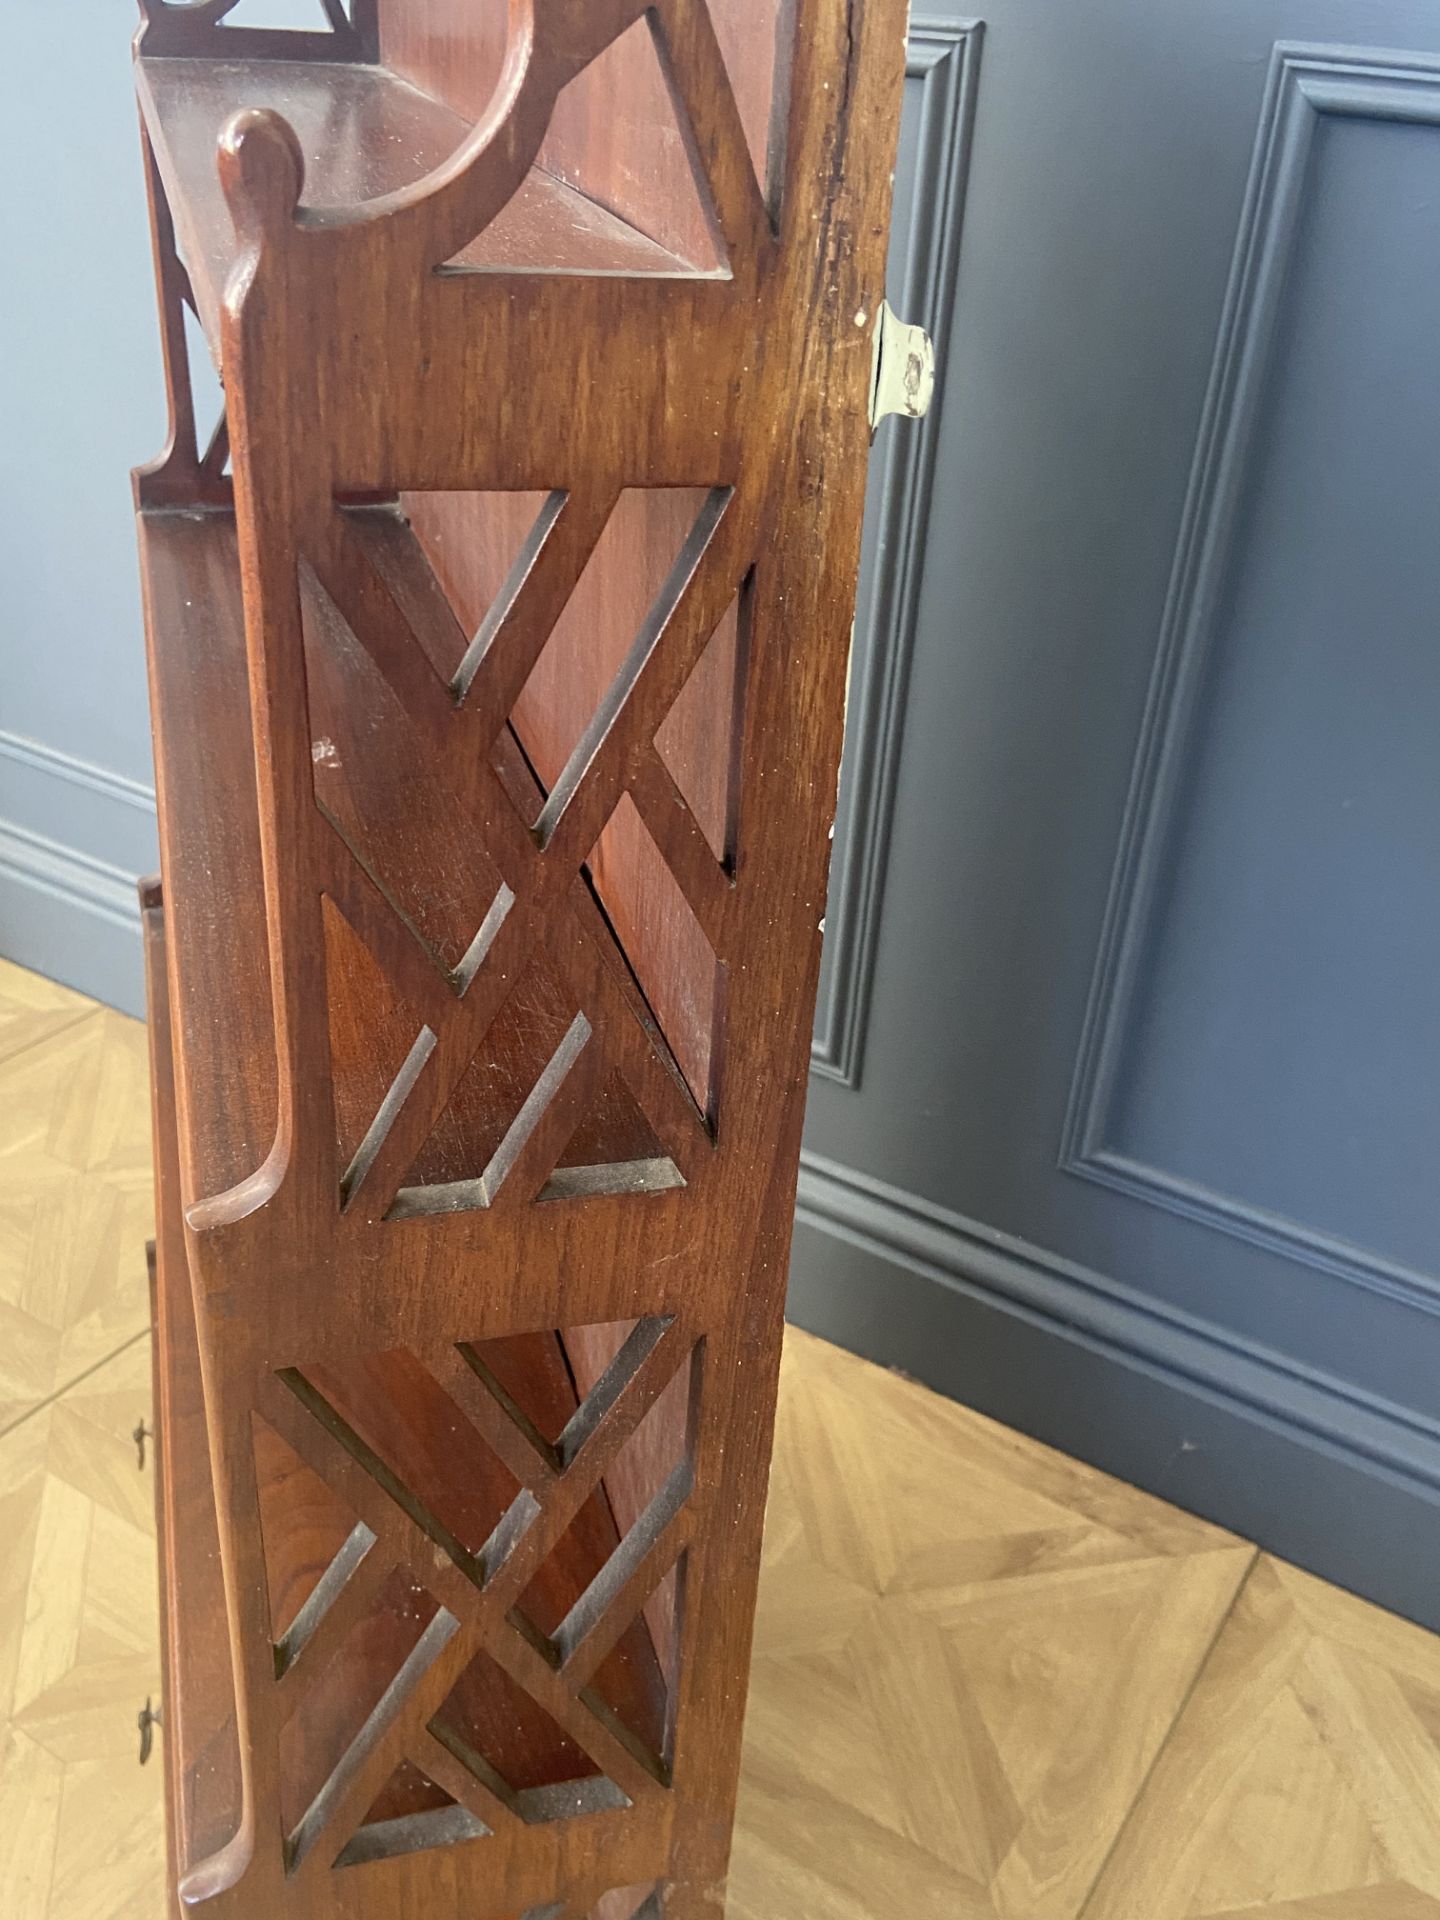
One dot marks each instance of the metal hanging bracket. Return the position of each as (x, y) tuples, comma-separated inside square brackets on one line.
[(902, 374)]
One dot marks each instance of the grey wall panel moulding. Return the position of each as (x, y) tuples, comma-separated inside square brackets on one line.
[(1306, 85), (67, 911), (1305, 1465), (944, 57)]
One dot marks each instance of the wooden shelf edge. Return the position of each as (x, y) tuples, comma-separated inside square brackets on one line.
[(201, 1759), (210, 847), (167, 1682)]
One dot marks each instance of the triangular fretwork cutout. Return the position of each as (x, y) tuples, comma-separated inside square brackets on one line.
[(480, 547), (664, 942), (511, 1109), (409, 813), (612, 193), (341, 1708), (278, 16), (757, 46), (408, 1790), (200, 428), (531, 1376), (517, 1751), (372, 1034), (618, 1638), (700, 739), (378, 1046), (207, 396), (311, 1541), (411, 1815), (613, 1150), (646, 170), (615, 1129)]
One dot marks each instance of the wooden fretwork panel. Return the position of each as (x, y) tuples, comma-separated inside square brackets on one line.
[(498, 679), (484, 1517), (568, 1026)]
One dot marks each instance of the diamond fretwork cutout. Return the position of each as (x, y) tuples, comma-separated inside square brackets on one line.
[(624, 581), (493, 1639)]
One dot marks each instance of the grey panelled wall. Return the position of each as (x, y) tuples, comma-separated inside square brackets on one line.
[(1126, 1112), (942, 72), (76, 804), (81, 402)]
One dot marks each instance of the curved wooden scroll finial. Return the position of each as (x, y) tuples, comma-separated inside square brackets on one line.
[(262, 170)]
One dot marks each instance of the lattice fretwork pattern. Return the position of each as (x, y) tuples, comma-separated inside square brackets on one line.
[(501, 1609), (443, 702), (546, 376)]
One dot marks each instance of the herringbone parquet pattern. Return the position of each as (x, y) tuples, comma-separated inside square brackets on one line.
[(988, 1683)]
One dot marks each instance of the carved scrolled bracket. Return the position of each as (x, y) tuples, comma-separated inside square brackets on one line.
[(549, 43)]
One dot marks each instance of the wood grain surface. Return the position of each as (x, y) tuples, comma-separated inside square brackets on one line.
[(498, 691)]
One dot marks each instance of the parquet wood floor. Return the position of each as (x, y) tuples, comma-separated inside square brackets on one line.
[(988, 1683), (75, 1201)]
